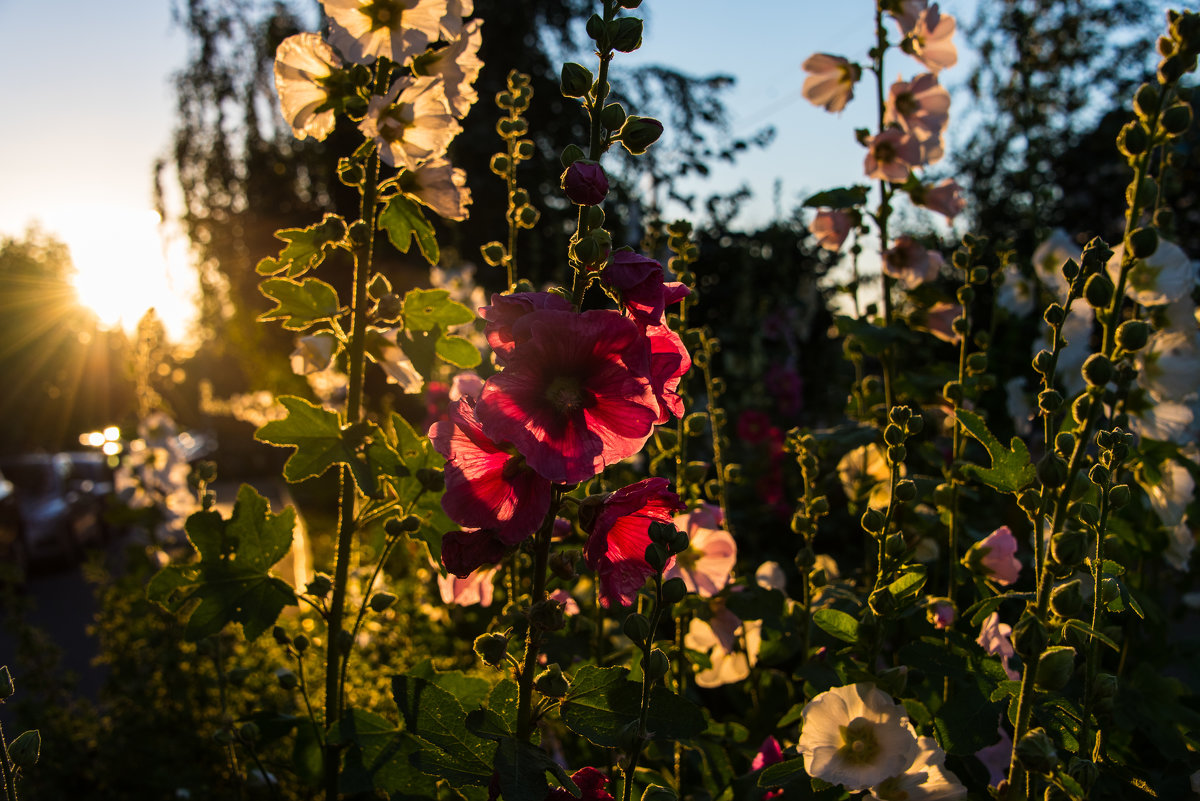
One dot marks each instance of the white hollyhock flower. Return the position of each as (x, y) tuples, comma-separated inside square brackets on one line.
[(441, 187), (856, 736), (731, 643), (1171, 494), (313, 353), (396, 364), (452, 22), (1018, 406), (364, 30), (1165, 276), (1167, 421), (458, 66), (1180, 542), (1016, 293), (1050, 256), (1170, 365), (303, 63), (926, 779), (412, 123), (865, 470)]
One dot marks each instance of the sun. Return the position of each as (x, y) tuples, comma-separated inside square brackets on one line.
[(125, 266)]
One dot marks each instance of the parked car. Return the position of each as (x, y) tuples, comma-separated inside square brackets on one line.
[(52, 525), (90, 487)]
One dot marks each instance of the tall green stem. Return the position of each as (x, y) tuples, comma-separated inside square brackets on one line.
[(885, 209), (533, 634), (10, 781)]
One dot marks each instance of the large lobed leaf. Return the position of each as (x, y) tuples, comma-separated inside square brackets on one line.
[(603, 705)]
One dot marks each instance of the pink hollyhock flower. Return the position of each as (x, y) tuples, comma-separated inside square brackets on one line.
[(830, 83), (910, 263), (569, 604), (945, 198), (939, 321), (830, 227), (769, 753), (941, 613), (669, 361), (616, 546), (995, 556), (920, 107), (908, 13), (477, 588), (576, 395), (585, 183), (754, 426), (994, 640), (891, 154), (639, 281), (707, 564), (507, 309), (488, 484), (931, 40), (591, 784), (466, 384), (465, 551), (996, 758)]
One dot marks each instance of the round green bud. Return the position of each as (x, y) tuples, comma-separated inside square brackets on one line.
[(1133, 139), (248, 732), (1089, 513), (1050, 400), (638, 133), (551, 682), (977, 363), (575, 80), (899, 414), (492, 648), (1052, 471), (893, 434), (382, 601), (897, 454), (1064, 443), (1068, 547), (1067, 599), (286, 678), (1081, 409), (1132, 335), (674, 590), (524, 149), (629, 3), (1164, 218), (872, 521), (659, 664), (1029, 500), (1118, 495), (953, 392), (1097, 370), (906, 491), (961, 259), (819, 506), (1055, 667), (300, 643), (679, 542), (500, 164), (1043, 361), (320, 586), (894, 545), (915, 425), (1029, 636), (656, 792), (547, 615), (613, 117), (1170, 69), (965, 295), (656, 557), (1070, 269), (1098, 291), (527, 216), (1145, 101), (1099, 475), (25, 750), (1143, 242), (6, 683), (1177, 119), (493, 253), (1054, 315), (625, 34)]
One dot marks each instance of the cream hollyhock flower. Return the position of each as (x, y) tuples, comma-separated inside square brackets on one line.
[(1049, 258), (920, 107), (458, 66), (707, 564), (412, 123), (303, 63), (831, 80), (831, 227), (1168, 421), (864, 471), (364, 30), (891, 154), (1181, 540), (945, 198), (731, 643), (396, 364), (441, 187), (1165, 276), (313, 353), (931, 40), (926, 779), (1170, 365), (452, 22), (856, 736)]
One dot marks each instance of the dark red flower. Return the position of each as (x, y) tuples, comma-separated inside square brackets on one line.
[(616, 546), (463, 552), (639, 281), (591, 784), (488, 484), (576, 394), (507, 309), (585, 183)]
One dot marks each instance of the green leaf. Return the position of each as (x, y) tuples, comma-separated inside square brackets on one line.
[(837, 624), (1011, 470), (603, 705), (782, 774), (306, 247), (1088, 631), (403, 220), (957, 723), (844, 197), (232, 581), (469, 691), (874, 339), (300, 304), (415, 453), (909, 584), (425, 309), (979, 610), (437, 719), (522, 770), (458, 351), (377, 756)]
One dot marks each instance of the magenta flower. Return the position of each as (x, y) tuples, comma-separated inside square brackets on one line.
[(616, 546), (831, 80), (769, 753), (707, 564), (576, 395), (891, 154), (920, 107), (585, 183), (932, 39), (639, 282), (830, 228), (507, 309), (995, 557), (945, 198), (996, 758), (941, 613), (910, 263), (488, 484), (591, 784), (463, 552), (994, 640), (669, 361), (477, 588)]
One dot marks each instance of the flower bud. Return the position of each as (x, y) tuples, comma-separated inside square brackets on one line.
[(872, 521), (893, 434), (1132, 335), (1170, 69), (673, 591), (1098, 291), (658, 665), (805, 559), (249, 732), (1036, 752), (1055, 667), (638, 133), (1177, 119), (661, 531), (1118, 495), (977, 363), (899, 414), (906, 491), (1064, 443), (527, 216), (1029, 500), (286, 678), (575, 80), (1067, 599), (1083, 771), (25, 750), (965, 295), (1097, 370), (1029, 636), (1054, 315), (382, 601), (1089, 513), (613, 117), (1145, 101), (493, 253), (320, 586), (1133, 139), (896, 454), (656, 792), (953, 392), (656, 557), (6, 683), (1068, 547), (524, 149), (1081, 409), (882, 602), (1050, 400), (625, 34), (915, 425), (629, 3), (491, 648), (500, 164), (562, 564), (551, 682), (585, 183), (1052, 471), (547, 615), (300, 643), (1043, 361), (431, 479), (1098, 475), (281, 636), (359, 234)]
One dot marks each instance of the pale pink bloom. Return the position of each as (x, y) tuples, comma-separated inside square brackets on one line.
[(932, 39), (996, 758), (994, 640), (440, 186), (907, 16), (910, 263), (707, 564), (412, 123), (303, 64), (313, 353), (995, 556), (941, 613), (476, 588), (856, 736), (731, 644), (939, 321), (570, 605), (364, 30), (770, 576), (891, 154), (831, 80), (1016, 293), (926, 779), (466, 384), (831, 227), (944, 197), (458, 65), (920, 107)]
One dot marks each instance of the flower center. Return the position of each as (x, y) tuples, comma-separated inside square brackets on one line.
[(906, 104), (565, 393), (859, 745), (383, 13), (688, 559), (394, 121), (885, 152)]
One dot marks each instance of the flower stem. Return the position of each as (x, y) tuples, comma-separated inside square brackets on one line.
[(533, 634), (630, 770), (10, 782), (884, 211)]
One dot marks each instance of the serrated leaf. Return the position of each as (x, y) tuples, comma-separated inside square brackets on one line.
[(306, 247), (437, 719), (837, 624), (843, 197), (232, 581), (1011, 470), (403, 220), (416, 453), (603, 705), (425, 309), (957, 723), (979, 610), (457, 351), (522, 769), (300, 304), (377, 756)]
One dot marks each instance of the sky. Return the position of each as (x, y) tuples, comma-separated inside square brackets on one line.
[(94, 111)]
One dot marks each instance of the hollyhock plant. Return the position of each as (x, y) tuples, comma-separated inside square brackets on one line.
[(911, 264), (575, 395), (996, 758), (303, 65), (507, 309), (364, 30), (931, 40), (620, 534), (920, 107), (891, 154), (994, 640), (707, 564), (995, 557), (732, 645), (313, 353), (1165, 276), (906, 13), (926, 779), (856, 736), (831, 80), (1169, 366), (831, 227), (477, 588), (945, 198), (769, 753), (939, 321), (639, 282), (412, 123), (458, 66), (585, 183), (941, 613), (488, 484)]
